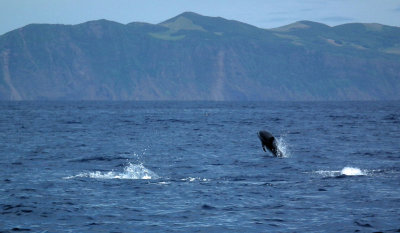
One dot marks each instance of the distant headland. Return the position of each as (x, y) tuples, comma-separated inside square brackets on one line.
[(195, 57)]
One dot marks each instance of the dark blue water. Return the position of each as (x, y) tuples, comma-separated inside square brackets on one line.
[(199, 166)]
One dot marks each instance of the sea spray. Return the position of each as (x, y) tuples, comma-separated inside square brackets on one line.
[(131, 172), (283, 146)]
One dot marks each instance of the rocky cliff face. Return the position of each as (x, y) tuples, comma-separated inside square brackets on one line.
[(193, 57)]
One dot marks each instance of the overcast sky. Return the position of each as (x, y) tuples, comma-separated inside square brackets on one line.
[(261, 13)]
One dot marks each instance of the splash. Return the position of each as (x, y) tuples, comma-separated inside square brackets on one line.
[(131, 172), (284, 147), (352, 171), (346, 171)]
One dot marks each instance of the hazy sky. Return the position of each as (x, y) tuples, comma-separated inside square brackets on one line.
[(261, 13)]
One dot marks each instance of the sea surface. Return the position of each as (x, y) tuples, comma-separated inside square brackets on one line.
[(199, 167)]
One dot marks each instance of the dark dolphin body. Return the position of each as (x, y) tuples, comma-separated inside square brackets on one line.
[(268, 141)]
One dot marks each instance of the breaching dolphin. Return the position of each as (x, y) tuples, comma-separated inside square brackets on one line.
[(268, 141)]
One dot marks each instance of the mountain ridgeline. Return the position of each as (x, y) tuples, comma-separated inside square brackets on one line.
[(195, 57)]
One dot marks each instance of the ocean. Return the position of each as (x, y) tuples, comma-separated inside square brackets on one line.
[(199, 167)]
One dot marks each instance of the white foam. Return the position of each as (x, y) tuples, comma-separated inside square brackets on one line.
[(352, 171), (347, 171), (191, 179), (131, 172), (328, 173)]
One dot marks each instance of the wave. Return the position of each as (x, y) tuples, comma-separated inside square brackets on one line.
[(131, 172), (346, 171)]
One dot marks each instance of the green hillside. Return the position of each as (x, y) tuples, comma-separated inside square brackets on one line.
[(195, 57)]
